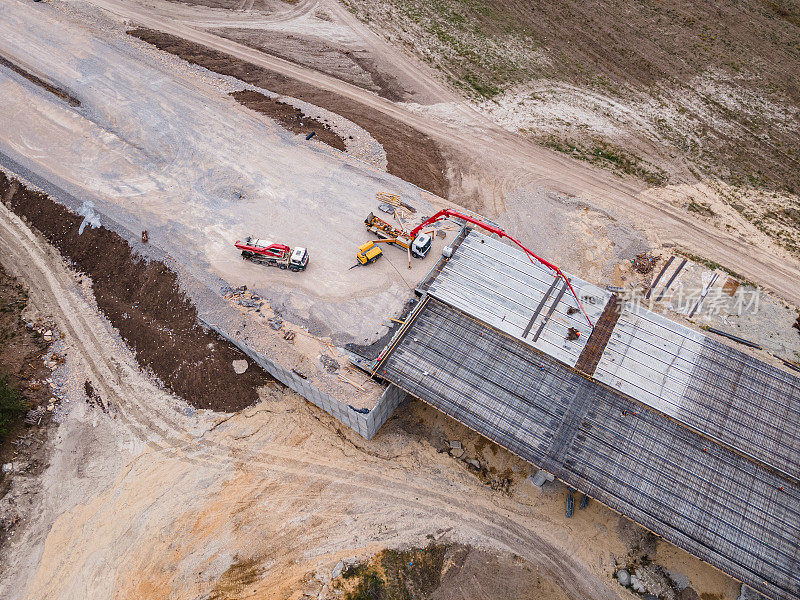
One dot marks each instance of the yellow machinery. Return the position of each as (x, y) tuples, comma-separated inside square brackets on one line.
[(368, 253), (387, 233)]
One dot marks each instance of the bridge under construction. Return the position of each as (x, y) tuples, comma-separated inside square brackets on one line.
[(693, 439)]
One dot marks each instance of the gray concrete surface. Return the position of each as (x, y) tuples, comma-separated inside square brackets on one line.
[(365, 424), (166, 150)]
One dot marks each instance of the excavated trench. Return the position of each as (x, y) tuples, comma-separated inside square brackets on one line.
[(35, 79)]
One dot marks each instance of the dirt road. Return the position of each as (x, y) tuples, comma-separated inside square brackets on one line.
[(198, 171), (147, 501), (153, 499), (509, 161)]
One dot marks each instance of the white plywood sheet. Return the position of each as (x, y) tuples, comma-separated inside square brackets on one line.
[(650, 358), (500, 285)]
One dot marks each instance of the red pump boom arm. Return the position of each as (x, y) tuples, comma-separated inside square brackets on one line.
[(447, 213)]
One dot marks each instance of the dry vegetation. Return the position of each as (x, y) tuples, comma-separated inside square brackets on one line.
[(445, 572), (666, 91), (396, 575)]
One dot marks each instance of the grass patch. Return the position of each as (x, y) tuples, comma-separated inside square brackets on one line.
[(396, 574), (479, 46), (792, 215), (715, 265), (370, 587), (353, 571), (413, 573), (486, 90), (603, 154), (12, 406), (700, 208)]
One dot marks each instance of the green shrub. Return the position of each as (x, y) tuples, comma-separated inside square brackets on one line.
[(371, 587), (12, 406)]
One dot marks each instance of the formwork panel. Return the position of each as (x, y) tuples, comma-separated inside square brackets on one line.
[(713, 388), (749, 404), (711, 501), (650, 358), (500, 285)]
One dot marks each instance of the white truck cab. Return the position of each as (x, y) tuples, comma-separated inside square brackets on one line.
[(422, 245), (299, 259)]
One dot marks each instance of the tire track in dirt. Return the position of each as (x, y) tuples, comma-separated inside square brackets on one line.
[(411, 155), (131, 394), (292, 474), (40, 267), (512, 161), (142, 300)]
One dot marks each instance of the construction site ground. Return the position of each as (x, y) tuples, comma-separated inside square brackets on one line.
[(173, 474), (150, 499)]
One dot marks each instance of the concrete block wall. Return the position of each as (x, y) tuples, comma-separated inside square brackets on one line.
[(367, 425), (390, 399)]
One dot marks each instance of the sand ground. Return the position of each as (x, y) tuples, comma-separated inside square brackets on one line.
[(155, 500)]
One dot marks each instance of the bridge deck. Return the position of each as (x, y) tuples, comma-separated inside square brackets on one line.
[(691, 479)]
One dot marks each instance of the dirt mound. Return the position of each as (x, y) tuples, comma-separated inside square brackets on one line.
[(290, 117), (64, 95), (22, 371), (411, 154), (143, 301)]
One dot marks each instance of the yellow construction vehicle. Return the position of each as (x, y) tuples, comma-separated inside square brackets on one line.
[(368, 253), (387, 232), (417, 246)]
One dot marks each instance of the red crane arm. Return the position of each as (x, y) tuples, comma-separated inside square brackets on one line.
[(446, 213), (276, 250)]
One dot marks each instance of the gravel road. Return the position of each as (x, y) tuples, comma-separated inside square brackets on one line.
[(499, 162)]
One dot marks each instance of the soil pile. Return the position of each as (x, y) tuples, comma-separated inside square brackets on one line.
[(64, 95), (290, 117), (143, 301), (411, 154), (358, 67)]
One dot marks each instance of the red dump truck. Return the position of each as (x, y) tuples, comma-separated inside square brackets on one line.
[(268, 253)]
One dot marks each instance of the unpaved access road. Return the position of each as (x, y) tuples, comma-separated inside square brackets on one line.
[(146, 501), (155, 500), (495, 162)]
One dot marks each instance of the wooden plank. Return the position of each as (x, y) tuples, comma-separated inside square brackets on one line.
[(671, 279), (536, 312), (658, 278), (601, 334)]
